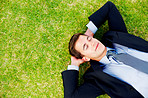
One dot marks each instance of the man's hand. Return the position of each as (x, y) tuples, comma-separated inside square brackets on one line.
[(76, 62), (89, 33)]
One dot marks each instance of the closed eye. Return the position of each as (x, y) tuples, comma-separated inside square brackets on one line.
[(89, 38), (85, 46)]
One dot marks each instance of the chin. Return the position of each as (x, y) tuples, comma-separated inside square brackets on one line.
[(102, 50)]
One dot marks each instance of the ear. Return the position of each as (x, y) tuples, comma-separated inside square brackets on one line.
[(86, 59)]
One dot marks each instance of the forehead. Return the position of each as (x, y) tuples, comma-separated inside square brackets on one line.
[(80, 42), (82, 37)]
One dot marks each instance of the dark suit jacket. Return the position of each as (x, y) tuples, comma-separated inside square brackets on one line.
[(96, 82)]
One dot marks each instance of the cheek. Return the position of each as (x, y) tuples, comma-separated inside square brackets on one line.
[(88, 52), (103, 47)]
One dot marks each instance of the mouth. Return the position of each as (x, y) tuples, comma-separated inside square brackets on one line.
[(97, 46)]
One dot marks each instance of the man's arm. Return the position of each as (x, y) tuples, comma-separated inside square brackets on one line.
[(107, 12), (72, 90), (89, 33), (70, 83)]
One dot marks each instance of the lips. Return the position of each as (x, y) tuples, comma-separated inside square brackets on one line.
[(97, 46)]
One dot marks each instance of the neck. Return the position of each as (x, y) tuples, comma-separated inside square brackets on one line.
[(102, 55)]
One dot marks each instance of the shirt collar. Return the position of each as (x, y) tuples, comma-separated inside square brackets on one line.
[(105, 60)]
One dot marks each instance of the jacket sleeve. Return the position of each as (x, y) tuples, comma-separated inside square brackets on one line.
[(109, 12), (72, 90)]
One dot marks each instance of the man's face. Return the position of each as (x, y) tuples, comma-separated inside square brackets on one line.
[(89, 47)]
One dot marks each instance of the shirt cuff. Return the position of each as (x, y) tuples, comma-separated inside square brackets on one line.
[(73, 67), (92, 27)]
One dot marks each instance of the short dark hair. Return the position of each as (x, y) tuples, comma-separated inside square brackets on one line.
[(72, 49)]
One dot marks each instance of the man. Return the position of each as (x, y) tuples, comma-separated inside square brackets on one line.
[(119, 64)]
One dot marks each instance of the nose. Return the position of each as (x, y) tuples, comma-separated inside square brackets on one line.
[(92, 43)]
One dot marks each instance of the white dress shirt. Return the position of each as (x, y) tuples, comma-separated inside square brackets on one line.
[(126, 73)]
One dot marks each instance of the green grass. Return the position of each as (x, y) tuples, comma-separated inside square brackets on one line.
[(34, 37)]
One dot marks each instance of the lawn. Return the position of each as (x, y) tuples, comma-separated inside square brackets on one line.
[(34, 36)]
